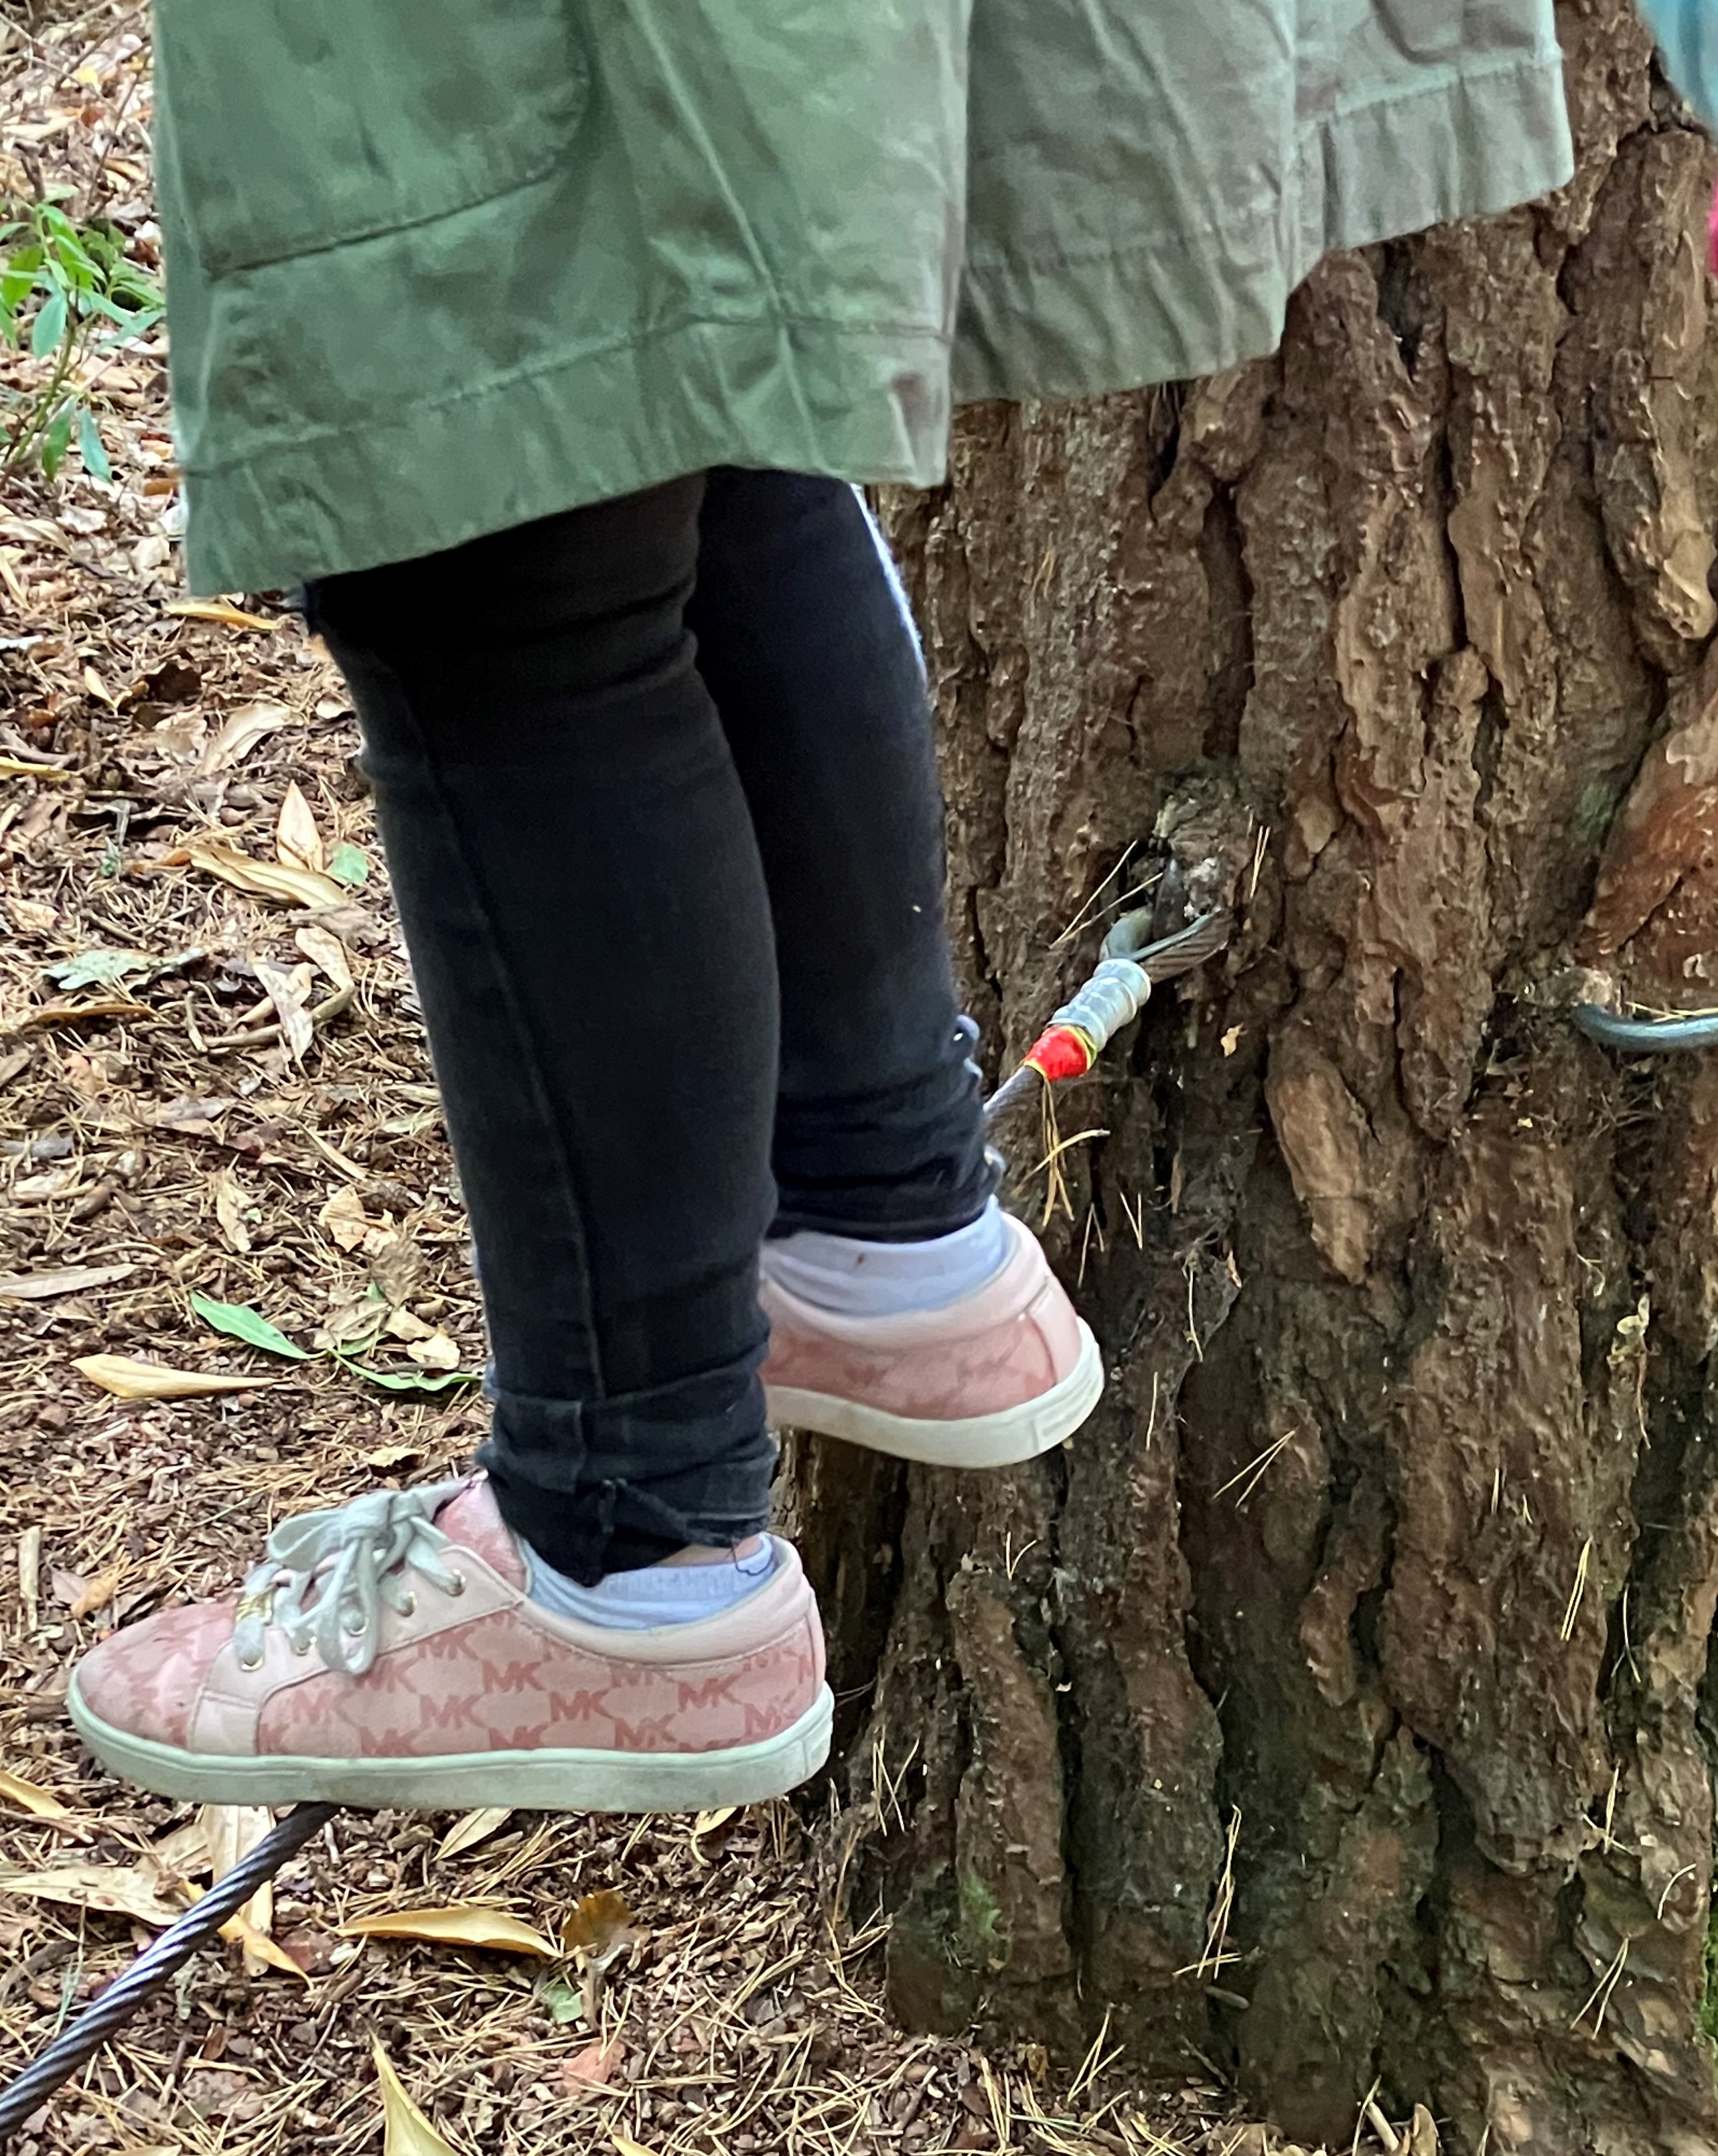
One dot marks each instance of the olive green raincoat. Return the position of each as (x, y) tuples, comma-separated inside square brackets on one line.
[(436, 267)]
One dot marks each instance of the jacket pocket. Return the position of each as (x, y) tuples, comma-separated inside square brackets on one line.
[(297, 124)]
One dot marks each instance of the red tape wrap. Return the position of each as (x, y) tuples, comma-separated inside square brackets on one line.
[(1060, 1053)]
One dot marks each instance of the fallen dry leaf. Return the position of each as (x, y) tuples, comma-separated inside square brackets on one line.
[(248, 724), (97, 1593), (479, 1826), (397, 1456), (270, 880), (52, 1183), (437, 1353), (183, 1853), (287, 998), (219, 612), (30, 916), (230, 1832), (598, 1932), (599, 1924), (327, 952), (128, 1379), (69, 1279), (344, 1219), (229, 1210), (461, 1924), (43, 1803), (405, 2131), (115, 1889), (260, 1950), (298, 843), (592, 2066), (396, 1264), (182, 738), (708, 1822)]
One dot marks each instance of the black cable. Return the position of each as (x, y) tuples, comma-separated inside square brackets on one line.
[(73, 2046), (1647, 1036)]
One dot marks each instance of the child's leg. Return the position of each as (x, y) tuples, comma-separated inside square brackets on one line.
[(809, 652), (907, 1312), (573, 860), (575, 864)]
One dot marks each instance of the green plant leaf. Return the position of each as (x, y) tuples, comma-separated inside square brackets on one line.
[(239, 1322), (417, 1381), (98, 969), (89, 448), (49, 330), (57, 441), (561, 2001), (136, 326), (349, 865)]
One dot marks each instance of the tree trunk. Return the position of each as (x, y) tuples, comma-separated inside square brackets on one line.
[(1337, 1704)]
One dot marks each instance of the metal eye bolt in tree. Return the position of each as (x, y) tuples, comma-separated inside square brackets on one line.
[(1337, 1705)]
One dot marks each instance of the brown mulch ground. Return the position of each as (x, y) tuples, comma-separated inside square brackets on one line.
[(212, 1083)]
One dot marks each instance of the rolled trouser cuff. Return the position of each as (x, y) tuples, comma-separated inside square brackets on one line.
[(597, 1486)]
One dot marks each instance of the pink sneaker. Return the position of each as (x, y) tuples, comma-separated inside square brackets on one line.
[(1002, 1375), (385, 1654)]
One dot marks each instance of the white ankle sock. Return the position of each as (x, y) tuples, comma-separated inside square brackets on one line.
[(859, 1279), (667, 1593)]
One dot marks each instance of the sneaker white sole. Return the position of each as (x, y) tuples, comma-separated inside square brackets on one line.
[(546, 1780), (999, 1439)]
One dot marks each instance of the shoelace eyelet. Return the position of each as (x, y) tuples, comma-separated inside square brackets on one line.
[(301, 1647), (408, 1605), (456, 1583), (256, 1665)]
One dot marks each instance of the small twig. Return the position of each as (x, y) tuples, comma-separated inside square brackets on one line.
[(261, 1035), (1381, 2126)]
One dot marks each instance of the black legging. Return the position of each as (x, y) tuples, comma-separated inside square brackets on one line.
[(669, 863)]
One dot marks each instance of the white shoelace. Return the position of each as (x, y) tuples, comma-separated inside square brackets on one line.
[(353, 1556)]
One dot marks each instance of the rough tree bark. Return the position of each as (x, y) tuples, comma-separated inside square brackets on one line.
[(1366, 1629)]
